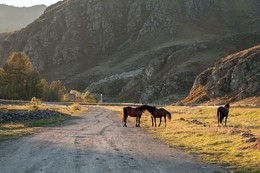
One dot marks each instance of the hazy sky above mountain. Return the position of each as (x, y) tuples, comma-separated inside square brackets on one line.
[(28, 3)]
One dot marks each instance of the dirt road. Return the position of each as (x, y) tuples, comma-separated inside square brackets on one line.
[(95, 142)]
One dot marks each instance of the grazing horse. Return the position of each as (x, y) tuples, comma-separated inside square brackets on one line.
[(133, 112), (157, 113), (222, 113)]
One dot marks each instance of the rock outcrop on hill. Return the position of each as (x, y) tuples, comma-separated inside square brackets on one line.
[(134, 50), (233, 78)]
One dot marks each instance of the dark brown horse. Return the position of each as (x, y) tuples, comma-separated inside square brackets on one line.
[(133, 112), (222, 113), (157, 113)]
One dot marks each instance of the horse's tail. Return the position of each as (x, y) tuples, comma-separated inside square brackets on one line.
[(169, 115)]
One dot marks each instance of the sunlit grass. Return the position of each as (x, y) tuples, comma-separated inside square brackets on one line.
[(74, 108), (10, 130), (220, 145), (17, 129)]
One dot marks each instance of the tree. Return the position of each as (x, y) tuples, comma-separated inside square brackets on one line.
[(2, 83), (20, 78), (77, 94), (45, 89), (57, 91), (88, 97), (2, 74)]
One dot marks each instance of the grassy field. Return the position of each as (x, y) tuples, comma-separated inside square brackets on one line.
[(195, 130), (13, 130)]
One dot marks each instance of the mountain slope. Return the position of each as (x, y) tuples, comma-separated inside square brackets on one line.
[(128, 50), (14, 18), (233, 78)]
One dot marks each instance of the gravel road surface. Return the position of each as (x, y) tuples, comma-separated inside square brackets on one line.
[(95, 143)]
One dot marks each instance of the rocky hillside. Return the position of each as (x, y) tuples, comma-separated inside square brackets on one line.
[(135, 50), (15, 18), (233, 78)]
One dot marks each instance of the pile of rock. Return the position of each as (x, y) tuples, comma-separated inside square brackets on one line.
[(28, 115)]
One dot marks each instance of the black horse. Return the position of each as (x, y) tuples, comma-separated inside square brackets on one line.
[(133, 112), (157, 113), (222, 113)]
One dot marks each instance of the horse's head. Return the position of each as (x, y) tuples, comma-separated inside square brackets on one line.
[(227, 106), (143, 107), (149, 108)]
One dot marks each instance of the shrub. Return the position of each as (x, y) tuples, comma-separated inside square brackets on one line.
[(75, 107), (34, 104)]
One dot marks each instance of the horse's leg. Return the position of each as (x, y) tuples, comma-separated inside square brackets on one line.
[(218, 115), (221, 119), (152, 120), (139, 121), (160, 121), (136, 122), (123, 120), (226, 121), (125, 117), (165, 120)]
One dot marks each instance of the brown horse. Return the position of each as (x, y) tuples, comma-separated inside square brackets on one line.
[(158, 113), (222, 113), (133, 112)]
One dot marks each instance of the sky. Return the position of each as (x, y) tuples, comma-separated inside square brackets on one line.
[(28, 3)]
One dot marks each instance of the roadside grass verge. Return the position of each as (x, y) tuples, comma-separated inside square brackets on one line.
[(12, 130), (17, 129), (195, 130)]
